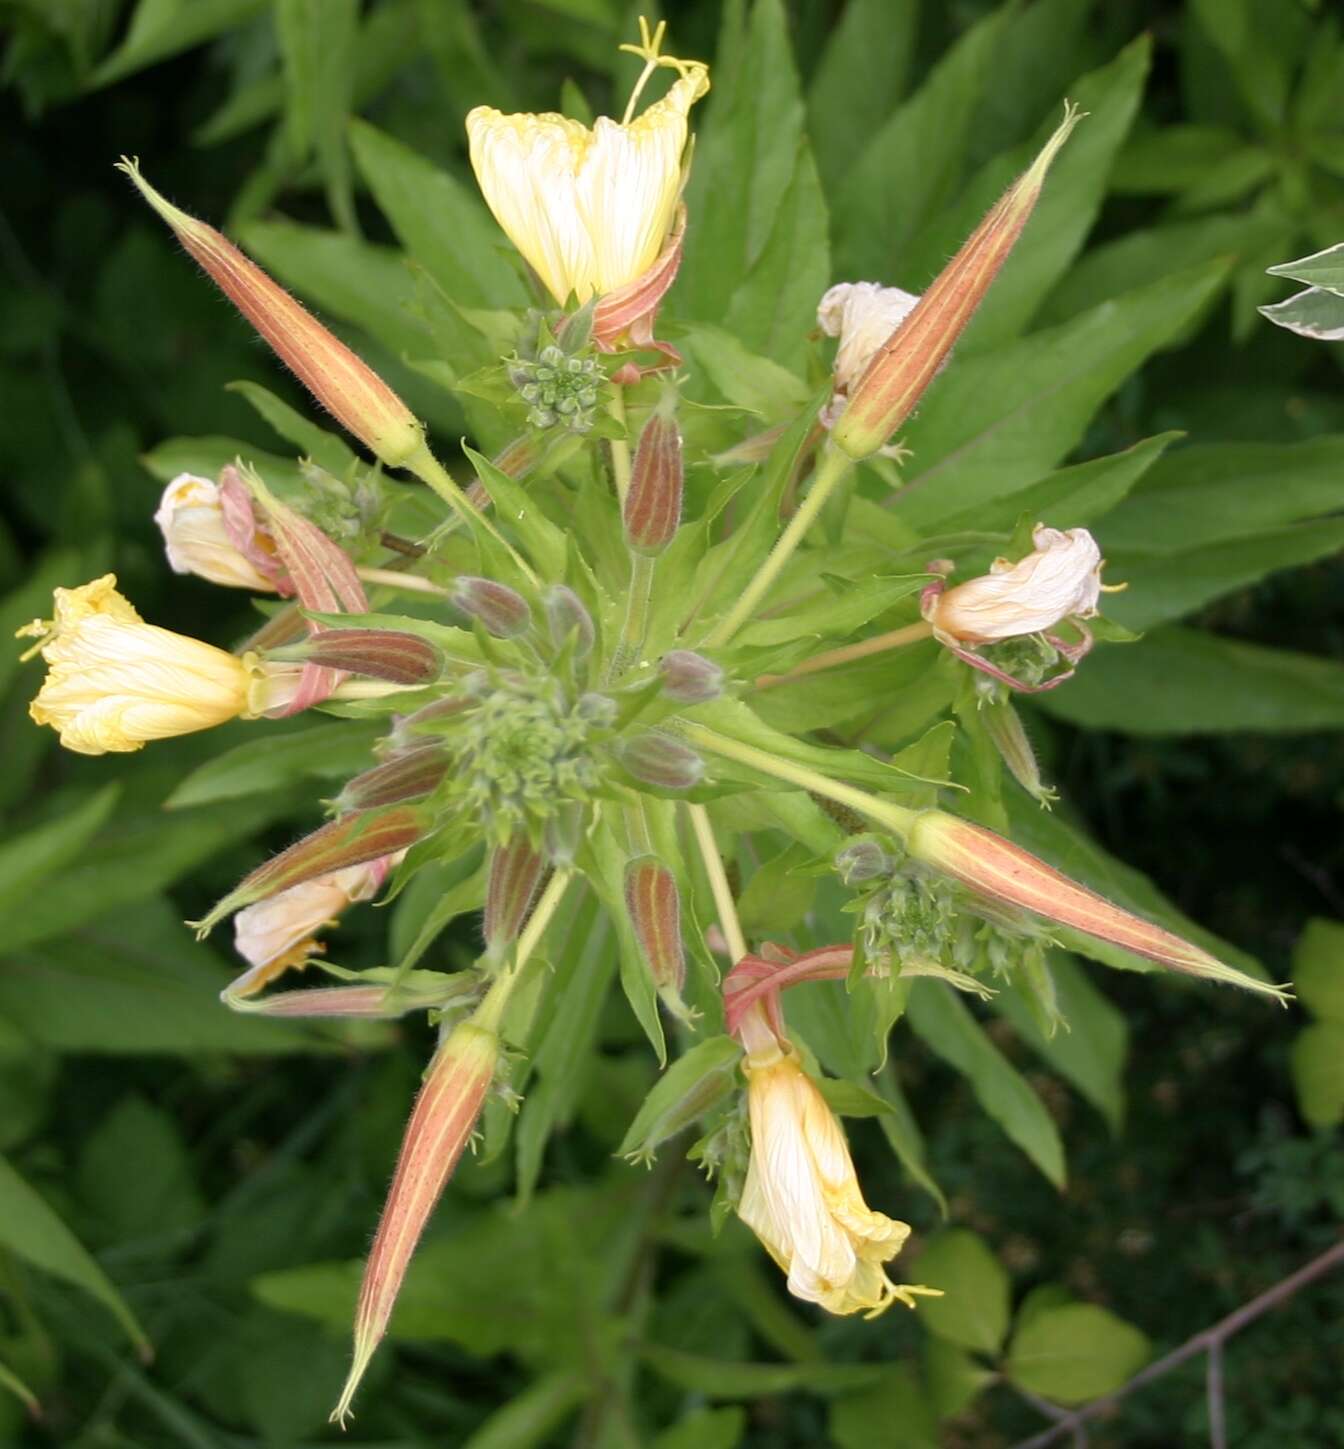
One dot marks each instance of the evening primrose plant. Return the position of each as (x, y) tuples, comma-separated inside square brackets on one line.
[(645, 647)]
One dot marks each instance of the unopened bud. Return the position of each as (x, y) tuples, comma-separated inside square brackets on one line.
[(515, 874), (347, 387), (659, 760), (440, 1126), (353, 839), (996, 868), (863, 860), (685, 1092), (502, 610), (653, 904), (905, 365), (567, 619), (381, 653), (408, 775), (690, 678), (652, 509), (411, 730), (1004, 727)]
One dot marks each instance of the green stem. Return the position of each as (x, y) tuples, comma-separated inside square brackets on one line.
[(491, 1010), (831, 470), (718, 881), (897, 638), (636, 615), (894, 817), (429, 470), (620, 447)]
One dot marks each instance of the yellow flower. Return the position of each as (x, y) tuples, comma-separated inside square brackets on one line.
[(197, 541), (1060, 579), (589, 209), (114, 681), (803, 1200)]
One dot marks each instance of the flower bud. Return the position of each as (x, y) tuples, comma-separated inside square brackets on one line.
[(407, 775), (361, 836), (996, 868), (347, 387), (1004, 727), (690, 678), (381, 653), (412, 730), (652, 510), (567, 619), (685, 1092), (515, 873), (659, 760), (502, 610), (440, 1126), (886, 394), (863, 860), (654, 907)]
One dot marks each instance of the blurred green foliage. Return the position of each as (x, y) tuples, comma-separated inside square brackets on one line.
[(209, 1181)]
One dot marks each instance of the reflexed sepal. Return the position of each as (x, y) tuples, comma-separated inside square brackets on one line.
[(360, 836)]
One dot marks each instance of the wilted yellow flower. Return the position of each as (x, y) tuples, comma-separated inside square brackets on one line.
[(803, 1200), (275, 934), (196, 539), (114, 681), (589, 209), (863, 315), (1060, 579)]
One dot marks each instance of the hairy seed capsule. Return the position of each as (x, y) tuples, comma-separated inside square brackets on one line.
[(380, 653), (652, 510)]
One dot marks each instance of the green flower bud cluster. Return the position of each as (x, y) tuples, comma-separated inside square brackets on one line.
[(1031, 659), (525, 751), (562, 391), (909, 917)]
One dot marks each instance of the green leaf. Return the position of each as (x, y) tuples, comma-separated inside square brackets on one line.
[(974, 1309), (331, 751), (31, 1229), (16, 1386), (441, 222), (545, 544), (160, 1198), (530, 1417), (135, 981), (1171, 159), (324, 448), (1183, 682), (1073, 497), (1317, 1063), (945, 1025), (859, 79), (162, 28), (746, 157), (895, 1413), (743, 377), (1318, 969), (1089, 1049), (718, 1379), (29, 857), (996, 421), (849, 606), (911, 165), (1075, 1353), (1321, 269), (705, 1429), (207, 456), (317, 43), (1315, 313)]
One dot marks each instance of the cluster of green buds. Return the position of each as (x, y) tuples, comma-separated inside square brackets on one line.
[(559, 378)]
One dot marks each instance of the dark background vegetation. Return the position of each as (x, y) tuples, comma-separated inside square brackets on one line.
[(189, 1174)]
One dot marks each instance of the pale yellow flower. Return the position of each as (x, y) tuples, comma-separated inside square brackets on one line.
[(803, 1200), (191, 518), (1060, 579), (275, 934), (589, 209), (114, 682), (863, 315)]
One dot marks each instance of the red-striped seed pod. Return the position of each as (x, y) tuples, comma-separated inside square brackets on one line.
[(389, 654), (408, 775), (652, 510), (653, 904), (515, 873)]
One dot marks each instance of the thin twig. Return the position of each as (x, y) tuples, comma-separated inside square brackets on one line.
[(1214, 1388), (1203, 1342)]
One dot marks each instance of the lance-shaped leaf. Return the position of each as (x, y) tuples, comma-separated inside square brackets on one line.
[(905, 365), (998, 869), (441, 1124), (353, 839), (347, 387)]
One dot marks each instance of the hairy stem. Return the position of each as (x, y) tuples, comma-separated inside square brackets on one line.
[(636, 615), (831, 471), (847, 653), (488, 1014)]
